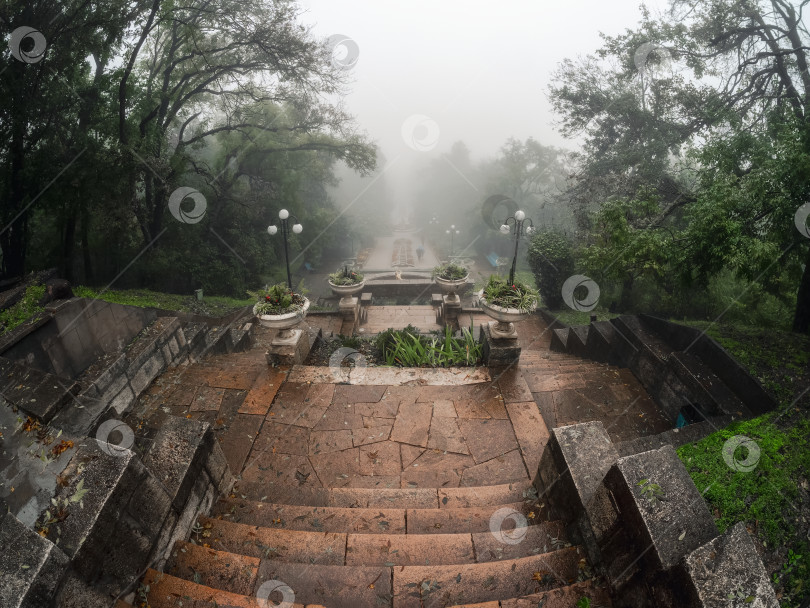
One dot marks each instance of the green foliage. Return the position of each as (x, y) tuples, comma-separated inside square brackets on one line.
[(344, 276), (499, 292), (552, 262), (764, 495), (652, 492), (278, 300), (584, 602), (450, 271), (385, 339), (144, 298), (406, 348), (28, 305), (349, 341)]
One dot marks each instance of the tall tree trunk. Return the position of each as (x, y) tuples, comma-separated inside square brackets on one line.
[(69, 241), (13, 238), (87, 259), (801, 318)]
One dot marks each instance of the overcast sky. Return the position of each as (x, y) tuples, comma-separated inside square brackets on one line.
[(478, 69)]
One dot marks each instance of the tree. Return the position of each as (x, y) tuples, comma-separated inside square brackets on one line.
[(552, 262), (710, 70)]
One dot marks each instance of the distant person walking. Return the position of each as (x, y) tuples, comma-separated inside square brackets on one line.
[(420, 251)]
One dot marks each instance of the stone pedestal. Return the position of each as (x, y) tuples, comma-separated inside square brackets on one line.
[(451, 309), (498, 352), (349, 308), (292, 353)]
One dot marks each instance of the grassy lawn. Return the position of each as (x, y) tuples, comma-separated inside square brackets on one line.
[(28, 305), (214, 306)]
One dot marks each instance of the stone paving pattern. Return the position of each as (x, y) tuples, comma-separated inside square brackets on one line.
[(286, 436)]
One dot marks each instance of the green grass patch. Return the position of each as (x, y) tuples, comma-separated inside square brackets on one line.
[(766, 497), (16, 315), (214, 306)]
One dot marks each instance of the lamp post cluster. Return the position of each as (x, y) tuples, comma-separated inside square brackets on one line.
[(519, 225), (297, 228), (452, 232)]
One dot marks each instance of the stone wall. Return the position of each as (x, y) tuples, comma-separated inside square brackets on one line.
[(79, 332)]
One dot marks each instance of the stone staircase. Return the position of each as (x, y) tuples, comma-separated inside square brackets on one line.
[(688, 374), (357, 547)]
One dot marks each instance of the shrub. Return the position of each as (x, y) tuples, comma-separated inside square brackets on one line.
[(517, 295), (450, 272), (408, 349), (344, 276), (278, 300), (552, 262)]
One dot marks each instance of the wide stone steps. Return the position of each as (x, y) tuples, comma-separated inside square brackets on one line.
[(412, 498), (341, 548), (203, 574), (371, 520)]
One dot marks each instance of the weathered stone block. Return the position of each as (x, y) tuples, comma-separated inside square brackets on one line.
[(141, 377), (31, 567), (180, 452), (728, 564), (663, 514), (123, 400), (572, 466)]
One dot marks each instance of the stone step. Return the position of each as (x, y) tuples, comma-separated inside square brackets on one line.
[(410, 498), (371, 520), (470, 519), (311, 519), (332, 548), (166, 591), (562, 597), (417, 586)]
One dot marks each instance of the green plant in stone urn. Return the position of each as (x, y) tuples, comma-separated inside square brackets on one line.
[(450, 277), (279, 307), (507, 303), (346, 283)]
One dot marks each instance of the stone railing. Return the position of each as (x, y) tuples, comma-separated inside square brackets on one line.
[(645, 526)]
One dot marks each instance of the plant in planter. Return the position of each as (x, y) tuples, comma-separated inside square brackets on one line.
[(507, 303), (279, 307), (450, 277), (346, 283)]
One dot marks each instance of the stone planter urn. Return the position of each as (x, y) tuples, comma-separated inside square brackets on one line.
[(346, 292), (284, 323), (505, 319), (449, 287)]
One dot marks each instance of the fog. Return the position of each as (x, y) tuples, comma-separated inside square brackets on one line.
[(456, 70)]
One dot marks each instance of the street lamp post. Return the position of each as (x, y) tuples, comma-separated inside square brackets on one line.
[(297, 228), (517, 226), (452, 232)]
